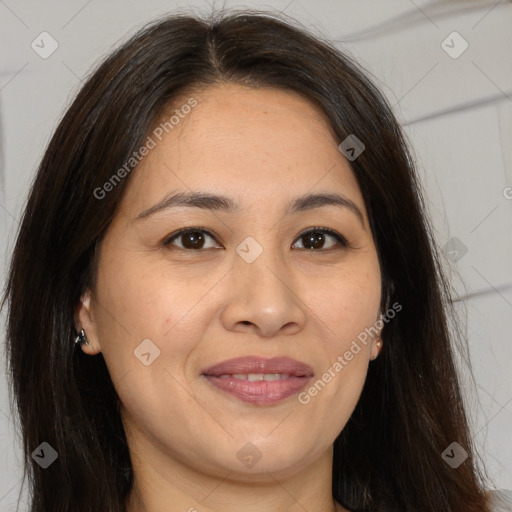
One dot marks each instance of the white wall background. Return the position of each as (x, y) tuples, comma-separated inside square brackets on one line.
[(457, 113)]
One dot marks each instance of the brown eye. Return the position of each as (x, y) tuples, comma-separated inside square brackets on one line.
[(315, 239), (190, 239)]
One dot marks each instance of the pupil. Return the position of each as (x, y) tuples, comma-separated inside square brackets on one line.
[(193, 240), (313, 240)]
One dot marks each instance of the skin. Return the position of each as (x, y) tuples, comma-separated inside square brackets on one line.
[(262, 148)]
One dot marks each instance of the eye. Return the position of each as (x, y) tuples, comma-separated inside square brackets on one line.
[(197, 239), (315, 238), (191, 239)]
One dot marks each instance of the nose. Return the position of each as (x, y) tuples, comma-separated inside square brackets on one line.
[(263, 297)]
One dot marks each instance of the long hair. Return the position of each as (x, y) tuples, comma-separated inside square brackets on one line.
[(389, 455)]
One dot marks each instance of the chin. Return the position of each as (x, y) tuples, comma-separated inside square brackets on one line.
[(254, 461)]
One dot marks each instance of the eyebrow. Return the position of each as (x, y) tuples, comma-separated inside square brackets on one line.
[(222, 203)]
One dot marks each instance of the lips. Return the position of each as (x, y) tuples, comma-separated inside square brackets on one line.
[(258, 380), (254, 364)]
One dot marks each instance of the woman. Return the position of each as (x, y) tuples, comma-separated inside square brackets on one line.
[(224, 293)]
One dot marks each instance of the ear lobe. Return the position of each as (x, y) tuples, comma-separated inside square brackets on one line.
[(376, 349), (84, 319)]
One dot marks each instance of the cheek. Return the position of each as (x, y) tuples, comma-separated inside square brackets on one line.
[(140, 297), (347, 308), (347, 304), (138, 300), (151, 326)]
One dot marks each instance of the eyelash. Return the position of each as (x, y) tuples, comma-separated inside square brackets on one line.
[(337, 236)]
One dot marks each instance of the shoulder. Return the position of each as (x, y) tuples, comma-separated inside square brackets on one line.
[(500, 501)]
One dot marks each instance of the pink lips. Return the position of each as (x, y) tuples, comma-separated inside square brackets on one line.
[(260, 392)]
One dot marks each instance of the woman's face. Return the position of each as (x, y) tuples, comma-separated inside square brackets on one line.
[(260, 278)]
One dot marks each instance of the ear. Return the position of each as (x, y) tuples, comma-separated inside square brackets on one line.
[(377, 342), (84, 319), (376, 348)]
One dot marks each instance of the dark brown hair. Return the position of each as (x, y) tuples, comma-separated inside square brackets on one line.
[(388, 457)]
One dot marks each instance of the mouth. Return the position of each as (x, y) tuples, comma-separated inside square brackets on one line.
[(258, 380)]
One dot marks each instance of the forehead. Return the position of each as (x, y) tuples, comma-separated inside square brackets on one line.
[(252, 144)]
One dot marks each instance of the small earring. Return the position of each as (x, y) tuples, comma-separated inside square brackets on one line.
[(81, 338)]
